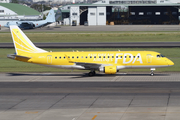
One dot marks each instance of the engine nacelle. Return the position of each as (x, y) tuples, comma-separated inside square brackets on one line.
[(108, 69)]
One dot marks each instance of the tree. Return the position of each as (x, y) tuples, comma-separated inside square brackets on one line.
[(14, 1)]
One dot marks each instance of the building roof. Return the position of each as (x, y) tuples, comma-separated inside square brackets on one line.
[(20, 9), (165, 4)]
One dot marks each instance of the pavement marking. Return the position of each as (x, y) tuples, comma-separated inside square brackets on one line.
[(135, 112), (94, 117), (31, 112)]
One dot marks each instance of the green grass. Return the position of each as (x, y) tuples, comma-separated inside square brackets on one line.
[(99, 37), (9, 65)]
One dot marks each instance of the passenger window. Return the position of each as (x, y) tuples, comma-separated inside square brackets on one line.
[(138, 56), (124, 56), (90, 56), (64, 57), (108, 56), (104, 56), (86, 57), (112, 56), (129, 56), (94, 56), (81, 56), (134, 56), (77, 57), (116, 56), (99, 56), (121, 56), (68, 56), (72, 56), (59, 57), (55, 57)]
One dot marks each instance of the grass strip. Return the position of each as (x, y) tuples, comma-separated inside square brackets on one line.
[(99, 37)]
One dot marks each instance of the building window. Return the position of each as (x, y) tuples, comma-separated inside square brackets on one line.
[(101, 14), (1, 11), (157, 13), (141, 13), (149, 13), (92, 13), (132, 13), (174, 13), (74, 13), (165, 13)]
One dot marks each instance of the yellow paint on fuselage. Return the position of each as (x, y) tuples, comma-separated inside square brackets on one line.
[(115, 58)]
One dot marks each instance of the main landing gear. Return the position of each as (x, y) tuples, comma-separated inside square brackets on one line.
[(152, 71), (92, 73)]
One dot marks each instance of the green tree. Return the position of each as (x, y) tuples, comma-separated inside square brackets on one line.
[(14, 1)]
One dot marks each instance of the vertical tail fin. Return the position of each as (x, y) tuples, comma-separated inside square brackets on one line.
[(51, 16), (22, 43)]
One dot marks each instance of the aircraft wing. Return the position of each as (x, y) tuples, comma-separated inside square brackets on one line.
[(87, 65)]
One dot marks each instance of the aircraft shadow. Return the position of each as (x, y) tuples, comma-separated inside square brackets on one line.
[(79, 75)]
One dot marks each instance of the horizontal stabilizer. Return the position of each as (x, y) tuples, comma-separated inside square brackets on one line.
[(12, 56)]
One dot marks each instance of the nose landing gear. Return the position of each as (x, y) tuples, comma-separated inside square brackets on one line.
[(152, 71)]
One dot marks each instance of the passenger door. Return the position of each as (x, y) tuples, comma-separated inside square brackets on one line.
[(49, 59), (149, 58)]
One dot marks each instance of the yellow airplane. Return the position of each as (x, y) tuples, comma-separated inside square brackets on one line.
[(108, 62)]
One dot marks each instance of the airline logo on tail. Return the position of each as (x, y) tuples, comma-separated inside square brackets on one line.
[(22, 43)]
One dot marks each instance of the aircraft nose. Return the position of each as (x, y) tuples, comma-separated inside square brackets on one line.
[(170, 63)]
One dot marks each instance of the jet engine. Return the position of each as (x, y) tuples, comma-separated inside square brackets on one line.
[(108, 69)]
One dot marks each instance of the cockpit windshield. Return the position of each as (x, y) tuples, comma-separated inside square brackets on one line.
[(162, 55), (158, 56)]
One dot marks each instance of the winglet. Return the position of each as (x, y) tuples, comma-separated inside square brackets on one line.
[(22, 43)]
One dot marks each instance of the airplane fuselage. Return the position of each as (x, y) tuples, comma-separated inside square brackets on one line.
[(120, 59)]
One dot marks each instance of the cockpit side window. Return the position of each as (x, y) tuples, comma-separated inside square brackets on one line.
[(158, 56)]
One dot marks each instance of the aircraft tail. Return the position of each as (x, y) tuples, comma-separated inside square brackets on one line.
[(51, 16), (22, 43)]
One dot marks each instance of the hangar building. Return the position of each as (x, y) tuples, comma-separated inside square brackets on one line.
[(119, 12), (13, 12)]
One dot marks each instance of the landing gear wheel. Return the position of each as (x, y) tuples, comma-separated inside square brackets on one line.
[(152, 73), (94, 72), (90, 74)]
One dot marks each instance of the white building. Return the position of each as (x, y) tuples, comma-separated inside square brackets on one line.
[(119, 12), (15, 12), (4, 1)]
